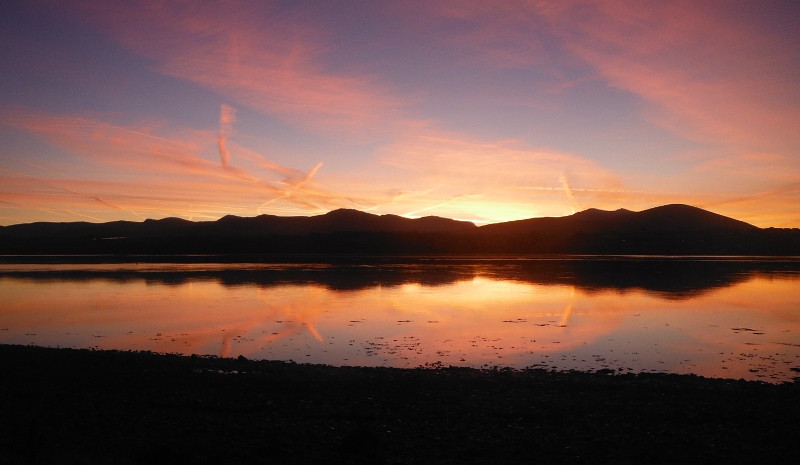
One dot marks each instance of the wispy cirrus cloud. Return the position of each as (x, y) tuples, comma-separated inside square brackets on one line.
[(491, 181), (430, 172), (709, 72), (703, 71), (176, 164), (254, 53), (227, 116), (700, 72)]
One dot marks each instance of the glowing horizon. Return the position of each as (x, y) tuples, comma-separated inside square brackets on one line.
[(459, 109)]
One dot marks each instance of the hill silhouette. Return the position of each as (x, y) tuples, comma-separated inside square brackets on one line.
[(667, 218), (668, 230)]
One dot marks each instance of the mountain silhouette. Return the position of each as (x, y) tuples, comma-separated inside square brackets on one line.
[(668, 230), (667, 218), (337, 221)]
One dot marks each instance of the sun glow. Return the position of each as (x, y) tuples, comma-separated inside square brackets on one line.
[(252, 109)]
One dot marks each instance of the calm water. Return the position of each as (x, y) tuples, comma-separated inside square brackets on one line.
[(721, 318)]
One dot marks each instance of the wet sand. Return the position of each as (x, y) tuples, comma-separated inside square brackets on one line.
[(80, 406)]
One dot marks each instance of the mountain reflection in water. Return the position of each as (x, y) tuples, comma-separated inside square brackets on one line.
[(725, 318)]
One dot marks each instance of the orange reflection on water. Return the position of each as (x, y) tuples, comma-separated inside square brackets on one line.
[(747, 330)]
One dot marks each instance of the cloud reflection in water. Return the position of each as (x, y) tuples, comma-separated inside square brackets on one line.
[(727, 319)]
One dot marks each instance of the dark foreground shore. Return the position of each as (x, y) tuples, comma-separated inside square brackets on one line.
[(85, 407)]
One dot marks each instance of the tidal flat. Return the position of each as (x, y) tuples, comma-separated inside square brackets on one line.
[(71, 406)]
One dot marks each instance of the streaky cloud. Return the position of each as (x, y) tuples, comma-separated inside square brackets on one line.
[(227, 116)]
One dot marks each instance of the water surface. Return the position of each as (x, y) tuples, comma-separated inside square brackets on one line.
[(733, 318)]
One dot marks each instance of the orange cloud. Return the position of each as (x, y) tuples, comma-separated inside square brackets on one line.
[(424, 172), (702, 73), (171, 172), (159, 172), (491, 181), (708, 74)]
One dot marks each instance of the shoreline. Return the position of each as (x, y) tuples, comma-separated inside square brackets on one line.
[(95, 406), (332, 258)]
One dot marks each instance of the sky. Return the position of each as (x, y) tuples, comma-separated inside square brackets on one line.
[(474, 110)]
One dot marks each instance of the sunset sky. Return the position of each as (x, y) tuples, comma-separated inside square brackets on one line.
[(485, 111)]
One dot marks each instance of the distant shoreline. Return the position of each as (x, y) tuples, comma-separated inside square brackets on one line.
[(387, 258), (84, 406), (678, 276)]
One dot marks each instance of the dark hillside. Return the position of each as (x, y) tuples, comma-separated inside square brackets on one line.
[(667, 218), (668, 230)]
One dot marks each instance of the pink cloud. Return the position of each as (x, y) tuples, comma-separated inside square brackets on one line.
[(711, 75), (227, 117), (252, 54), (709, 71), (701, 72)]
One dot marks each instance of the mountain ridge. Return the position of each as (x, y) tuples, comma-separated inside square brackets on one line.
[(673, 217), (347, 214), (674, 229)]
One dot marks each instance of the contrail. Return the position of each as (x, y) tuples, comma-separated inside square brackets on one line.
[(109, 204), (308, 176), (567, 187), (440, 204), (227, 116), (95, 198), (78, 214), (33, 165), (568, 190)]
